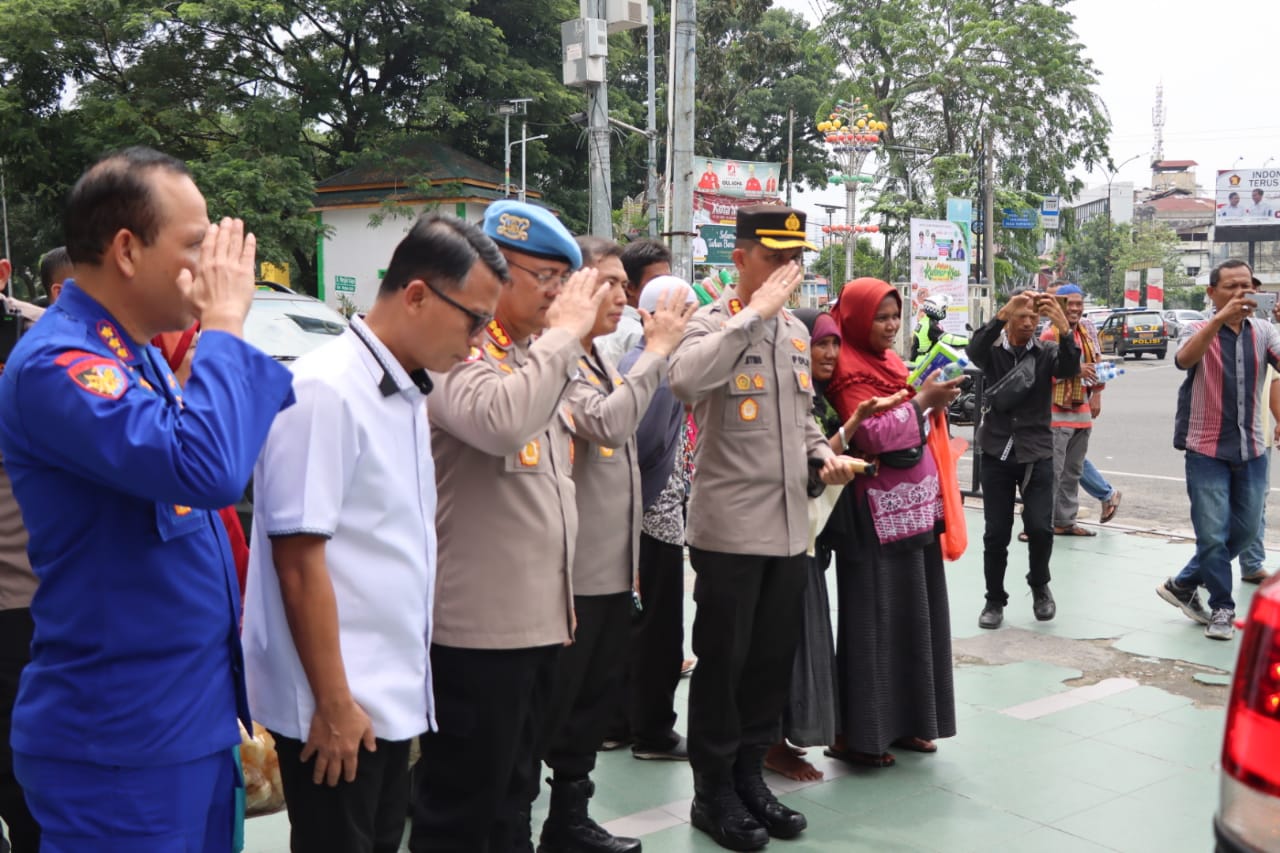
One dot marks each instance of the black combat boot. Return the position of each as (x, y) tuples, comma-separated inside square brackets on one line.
[(748, 781), (719, 812), (568, 828)]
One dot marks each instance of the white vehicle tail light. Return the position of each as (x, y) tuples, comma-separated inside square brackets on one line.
[(1250, 802)]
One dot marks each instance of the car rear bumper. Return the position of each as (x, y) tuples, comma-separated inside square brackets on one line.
[(1225, 842)]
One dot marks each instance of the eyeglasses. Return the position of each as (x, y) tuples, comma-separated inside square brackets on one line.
[(478, 320), (545, 278)]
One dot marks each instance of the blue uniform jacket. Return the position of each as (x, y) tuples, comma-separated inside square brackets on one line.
[(136, 658)]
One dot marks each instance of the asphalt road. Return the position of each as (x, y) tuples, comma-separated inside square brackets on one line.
[(1132, 444)]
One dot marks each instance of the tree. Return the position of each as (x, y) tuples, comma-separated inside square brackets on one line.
[(949, 74), (1096, 251), (830, 263)]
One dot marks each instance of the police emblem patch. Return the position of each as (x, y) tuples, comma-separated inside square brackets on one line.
[(803, 379), (748, 409), (792, 223), (531, 454), (799, 344), (513, 227), (606, 453), (735, 305), (100, 376), (742, 382), (758, 381)]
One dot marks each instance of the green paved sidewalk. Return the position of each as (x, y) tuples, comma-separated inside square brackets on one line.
[(1049, 757)]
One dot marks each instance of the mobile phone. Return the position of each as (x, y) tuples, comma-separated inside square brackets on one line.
[(1266, 303), (1062, 303)]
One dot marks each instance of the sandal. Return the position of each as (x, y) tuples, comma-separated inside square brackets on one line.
[(916, 744), (860, 759), (1073, 530), (1109, 507)]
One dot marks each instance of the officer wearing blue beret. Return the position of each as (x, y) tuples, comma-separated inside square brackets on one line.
[(506, 524), (126, 716)]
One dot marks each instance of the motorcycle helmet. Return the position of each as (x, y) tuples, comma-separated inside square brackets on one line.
[(935, 307)]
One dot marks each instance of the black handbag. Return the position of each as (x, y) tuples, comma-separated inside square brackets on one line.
[(1008, 392)]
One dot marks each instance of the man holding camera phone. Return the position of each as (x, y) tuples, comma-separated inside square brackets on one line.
[(1016, 441)]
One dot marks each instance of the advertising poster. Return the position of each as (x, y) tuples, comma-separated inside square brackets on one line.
[(714, 244), (1132, 282), (738, 178), (1248, 197), (714, 209), (1155, 288), (939, 267)]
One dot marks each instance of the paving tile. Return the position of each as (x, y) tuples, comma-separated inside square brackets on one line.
[(941, 819), (1091, 719), (1037, 798), (1106, 765), (1209, 721), (1146, 700), (1187, 643), (1047, 839), (1133, 824), (1189, 786), (1165, 740)]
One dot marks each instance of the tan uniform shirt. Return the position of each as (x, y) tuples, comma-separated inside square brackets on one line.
[(507, 519), (606, 410), (748, 382), (17, 581)]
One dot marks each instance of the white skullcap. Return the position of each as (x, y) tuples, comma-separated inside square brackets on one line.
[(663, 284)]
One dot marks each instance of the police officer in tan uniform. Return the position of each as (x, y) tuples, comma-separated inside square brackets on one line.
[(606, 409), (744, 366), (506, 525)]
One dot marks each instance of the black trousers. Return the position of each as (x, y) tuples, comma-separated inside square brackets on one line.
[(16, 628), (657, 643), (588, 682), (745, 635), (475, 774), (1000, 481), (364, 816)]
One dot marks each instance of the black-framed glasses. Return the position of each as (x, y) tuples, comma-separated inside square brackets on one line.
[(478, 320), (545, 278)]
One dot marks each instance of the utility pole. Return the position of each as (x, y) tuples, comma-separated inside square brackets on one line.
[(598, 141), (4, 211), (988, 210), (831, 256), (684, 61), (651, 190), (791, 130)]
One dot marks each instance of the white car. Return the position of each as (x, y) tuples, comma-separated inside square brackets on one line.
[(1177, 319)]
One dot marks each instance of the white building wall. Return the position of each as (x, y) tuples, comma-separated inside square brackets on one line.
[(357, 248)]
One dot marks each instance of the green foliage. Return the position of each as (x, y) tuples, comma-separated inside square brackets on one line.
[(867, 261), (1098, 257)]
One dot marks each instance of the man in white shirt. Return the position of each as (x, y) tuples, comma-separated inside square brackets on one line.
[(338, 610), (1259, 209), (1232, 209)]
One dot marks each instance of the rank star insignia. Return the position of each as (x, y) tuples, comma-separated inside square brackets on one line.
[(112, 339), (735, 305), (804, 380), (742, 382), (758, 381), (748, 409), (799, 344), (498, 333), (606, 453), (495, 350)]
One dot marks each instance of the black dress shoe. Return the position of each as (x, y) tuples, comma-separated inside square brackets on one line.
[(991, 617), (1042, 603), (778, 820), (723, 816)]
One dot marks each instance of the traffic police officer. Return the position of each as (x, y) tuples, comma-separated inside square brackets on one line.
[(606, 408), (506, 527), (744, 366), (126, 717)]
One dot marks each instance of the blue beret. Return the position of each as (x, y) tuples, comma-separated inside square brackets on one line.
[(531, 230), (1068, 290)]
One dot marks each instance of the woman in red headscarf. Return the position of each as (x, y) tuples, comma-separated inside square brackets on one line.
[(893, 644)]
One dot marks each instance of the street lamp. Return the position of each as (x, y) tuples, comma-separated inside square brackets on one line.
[(507, 109), (1111, 176), (852, 129), (831, 256)]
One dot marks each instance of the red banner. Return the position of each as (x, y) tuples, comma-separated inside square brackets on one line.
[(710, 208)]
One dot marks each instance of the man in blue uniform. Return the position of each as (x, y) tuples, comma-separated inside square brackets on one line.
[(126, 715)]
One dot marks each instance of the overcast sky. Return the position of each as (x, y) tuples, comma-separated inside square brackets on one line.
[(1215, 61)]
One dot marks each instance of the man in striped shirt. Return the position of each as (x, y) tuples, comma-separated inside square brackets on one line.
[(1219, 425)]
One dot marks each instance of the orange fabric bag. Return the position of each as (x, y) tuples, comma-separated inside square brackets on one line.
[(955, 539)]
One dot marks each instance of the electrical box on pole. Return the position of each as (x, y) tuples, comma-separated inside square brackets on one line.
[(584, 45), (624, 15)]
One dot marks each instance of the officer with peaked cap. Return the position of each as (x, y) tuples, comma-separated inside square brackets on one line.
[(744, 366), (506, 524)]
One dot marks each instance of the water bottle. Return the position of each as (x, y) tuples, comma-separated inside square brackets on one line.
[(954, 370), (1107, 371)]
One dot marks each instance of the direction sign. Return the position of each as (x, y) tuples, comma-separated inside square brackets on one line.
[(344, 283)]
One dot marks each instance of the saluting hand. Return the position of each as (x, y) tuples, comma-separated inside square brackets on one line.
[(664, 328), (337, 732), (576, 306), (776, 290), (222, 290)]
